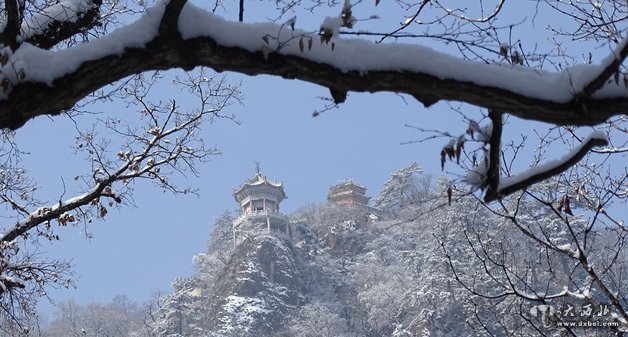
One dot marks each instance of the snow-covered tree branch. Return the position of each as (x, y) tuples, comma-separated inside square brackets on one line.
[(178, 34)]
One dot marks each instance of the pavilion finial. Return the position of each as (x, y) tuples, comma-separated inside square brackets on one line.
[(257, 168)]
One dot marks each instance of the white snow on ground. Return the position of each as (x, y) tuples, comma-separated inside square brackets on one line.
[(241, 311)]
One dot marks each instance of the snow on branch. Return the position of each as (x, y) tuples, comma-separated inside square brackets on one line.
[(54, 81), (55, 211), (608, 67), (59, 22), (544, 171)]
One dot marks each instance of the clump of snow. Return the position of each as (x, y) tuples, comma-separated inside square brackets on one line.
[(477, 175), (332, 24), (6, 279), (11, 70), (483, 134), (250, 267), (45, 66), (64, 11), (581, 75), (408, 20), (450, 144), (565, 247)]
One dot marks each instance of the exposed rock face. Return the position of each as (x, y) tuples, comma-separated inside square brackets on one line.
[(266, 283), (268, 280), (260, 289)]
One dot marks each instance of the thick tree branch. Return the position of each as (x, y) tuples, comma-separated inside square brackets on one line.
[(170, 20), (494, 164), (168, 50), (13, 12), (30, 99)]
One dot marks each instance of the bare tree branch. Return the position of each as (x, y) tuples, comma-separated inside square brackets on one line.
[(408, 22)]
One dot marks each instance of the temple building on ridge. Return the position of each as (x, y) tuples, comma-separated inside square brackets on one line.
[(259, 200), (348, 193)]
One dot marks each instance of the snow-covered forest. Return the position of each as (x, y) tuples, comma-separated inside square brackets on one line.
[(417, 265)]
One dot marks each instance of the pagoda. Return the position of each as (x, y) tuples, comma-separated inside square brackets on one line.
[(259, 200), (348, 193)]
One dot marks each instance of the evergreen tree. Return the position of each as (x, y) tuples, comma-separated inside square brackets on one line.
[(402, 189)]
